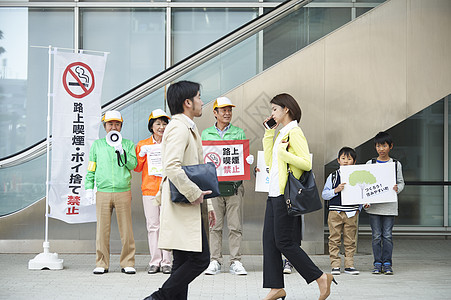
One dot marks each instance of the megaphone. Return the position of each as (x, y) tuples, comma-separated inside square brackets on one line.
[(114, 138)]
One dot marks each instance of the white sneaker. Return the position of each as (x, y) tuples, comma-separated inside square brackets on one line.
[(213, 268), (100, 270), (237, 268), (352, 271), (128, 270), (287, 268)]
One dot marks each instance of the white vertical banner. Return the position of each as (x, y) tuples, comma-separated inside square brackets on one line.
[(77, 87)]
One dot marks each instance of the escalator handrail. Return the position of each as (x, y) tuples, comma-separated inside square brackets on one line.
[(168, 75)]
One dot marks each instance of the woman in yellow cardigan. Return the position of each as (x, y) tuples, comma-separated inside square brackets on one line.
[(289, 149)]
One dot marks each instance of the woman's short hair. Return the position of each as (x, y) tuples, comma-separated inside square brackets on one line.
[(178, 92), (286, 100), (151, 121)]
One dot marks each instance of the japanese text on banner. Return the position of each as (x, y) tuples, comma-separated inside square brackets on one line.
[(229, 158)]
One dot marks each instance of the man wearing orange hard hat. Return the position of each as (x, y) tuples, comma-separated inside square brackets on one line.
[(228, 204)]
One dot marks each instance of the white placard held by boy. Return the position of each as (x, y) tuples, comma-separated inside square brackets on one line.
[(369, 183)]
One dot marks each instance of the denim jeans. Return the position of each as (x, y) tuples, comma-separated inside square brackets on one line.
[(381, 228)]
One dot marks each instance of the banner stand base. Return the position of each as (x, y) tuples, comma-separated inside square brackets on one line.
[(46, 260)]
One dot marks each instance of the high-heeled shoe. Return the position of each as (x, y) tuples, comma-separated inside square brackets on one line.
[(277, 295), (330, 279)]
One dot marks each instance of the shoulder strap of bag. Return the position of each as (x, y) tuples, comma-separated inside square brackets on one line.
[(396, 169), (334, 178), (305, 173), (288, 139)]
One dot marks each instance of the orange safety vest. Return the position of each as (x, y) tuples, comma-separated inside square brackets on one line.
[(150, 183)]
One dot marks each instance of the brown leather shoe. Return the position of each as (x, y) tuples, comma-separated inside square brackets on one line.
[(326, 293), (276, 294)]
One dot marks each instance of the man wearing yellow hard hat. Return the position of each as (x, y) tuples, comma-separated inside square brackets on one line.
[(229, 203), (111, 160)]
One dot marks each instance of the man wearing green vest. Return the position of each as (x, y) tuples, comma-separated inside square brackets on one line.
[(229, 203), (109, 169)]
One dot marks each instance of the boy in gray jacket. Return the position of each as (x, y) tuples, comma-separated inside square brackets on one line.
[(382, 215)]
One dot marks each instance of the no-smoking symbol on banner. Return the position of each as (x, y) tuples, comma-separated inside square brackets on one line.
[(214, 158), (78, 80)]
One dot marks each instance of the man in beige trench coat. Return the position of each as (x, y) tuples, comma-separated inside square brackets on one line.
[(181, 225)]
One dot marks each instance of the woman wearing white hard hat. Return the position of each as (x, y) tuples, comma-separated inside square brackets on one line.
[(151, 179)]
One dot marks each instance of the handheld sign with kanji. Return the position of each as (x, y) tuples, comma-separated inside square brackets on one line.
[(229, 158), (369, 183)]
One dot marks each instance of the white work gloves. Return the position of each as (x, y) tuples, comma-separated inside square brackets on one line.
[(144, 150), (119, 148), (250, 159), (90, 198)]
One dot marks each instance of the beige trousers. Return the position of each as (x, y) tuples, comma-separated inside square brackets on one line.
[(340, 224), (121, 202), (230, 208), (158, 257)]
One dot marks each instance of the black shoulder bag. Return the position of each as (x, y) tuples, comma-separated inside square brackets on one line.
[(301, 195)]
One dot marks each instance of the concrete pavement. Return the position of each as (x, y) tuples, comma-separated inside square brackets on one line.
[(422, 271)]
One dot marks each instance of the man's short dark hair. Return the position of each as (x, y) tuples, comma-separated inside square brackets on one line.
[(151, 121), (178, 92), (382, 138), (286, 100), (348, 151)]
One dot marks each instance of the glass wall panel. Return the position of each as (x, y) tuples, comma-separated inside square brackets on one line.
[(361, 10), (217, 1), (44, 1), (195, 28), (448, 100), (135, 39), (370, 1), (22, 185), (24, 71), (285, 37), (418, 145), (121, 1), (325, 20), (226, 70), (141, 111), (300, 29), (334, 1)]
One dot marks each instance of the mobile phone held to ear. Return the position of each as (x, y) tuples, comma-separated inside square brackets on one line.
[(270, 124)]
